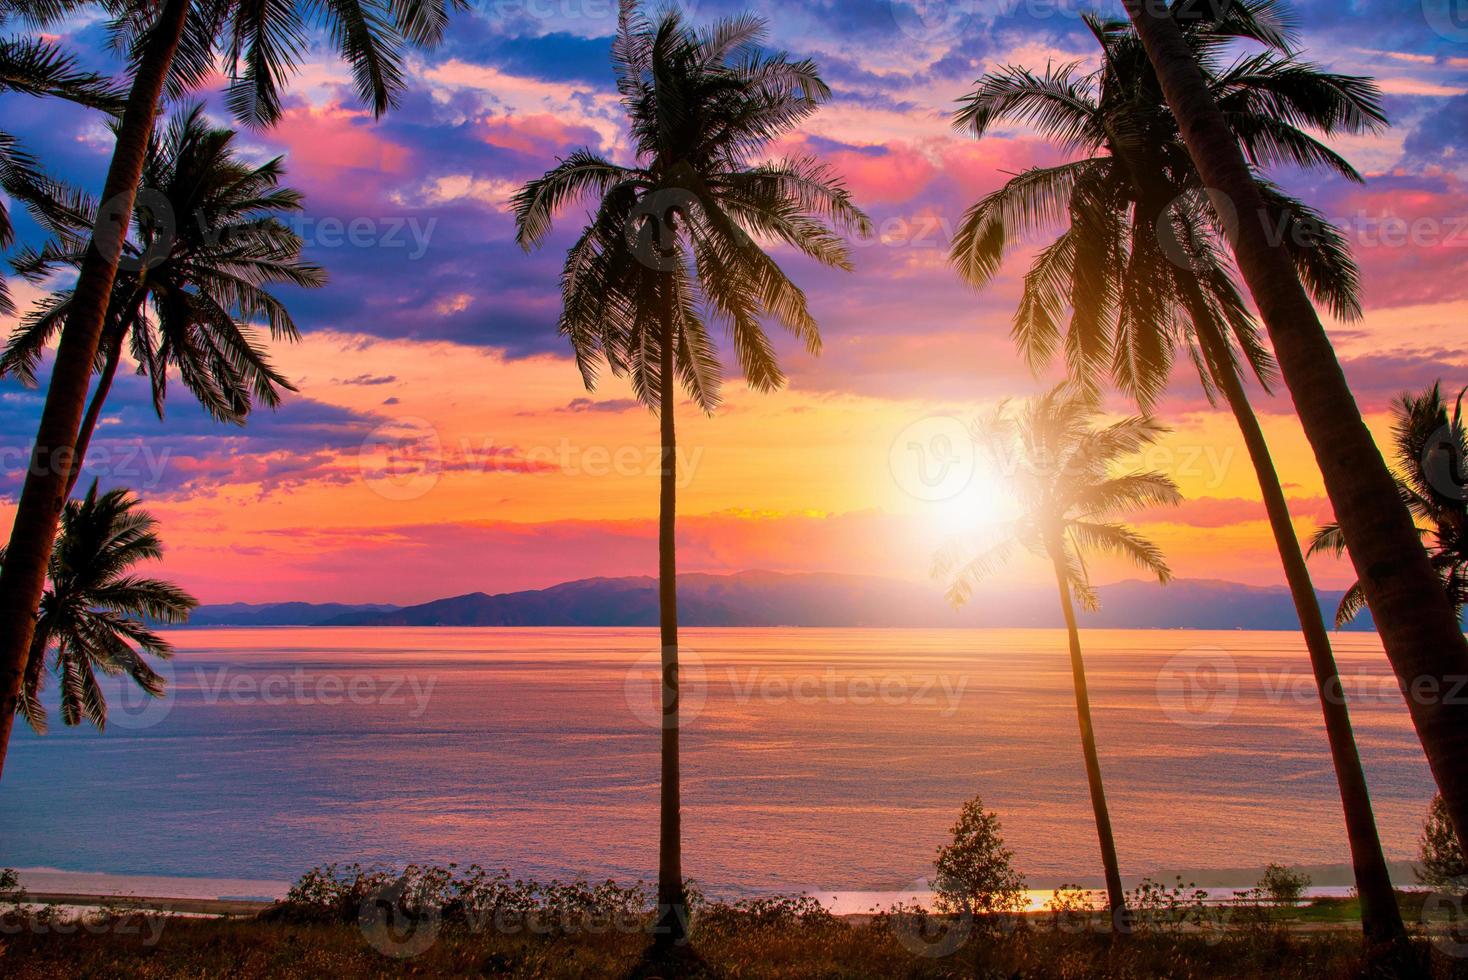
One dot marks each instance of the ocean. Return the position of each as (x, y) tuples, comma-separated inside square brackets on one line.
[(815, 760)]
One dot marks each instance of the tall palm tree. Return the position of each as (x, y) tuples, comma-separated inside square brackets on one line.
[(195, 282), (1057, 465), (1431, 453), (1139, 264), (93, 617), (174, 46), (1421, 633), (31, 66), (672, 244)]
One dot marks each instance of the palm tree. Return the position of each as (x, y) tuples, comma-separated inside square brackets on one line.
[(671, 244), (1140, 267), (93, 615), (1057, 465), (1431, 450), (1421, 633), (35, 67), (194, 283), (174, 46)]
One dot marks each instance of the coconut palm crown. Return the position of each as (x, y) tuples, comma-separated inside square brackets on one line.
[(677, 231), (94, 612)]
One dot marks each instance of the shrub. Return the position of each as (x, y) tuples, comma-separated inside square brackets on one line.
[(1158, 906), (975, 874), (474, 897), (784, 912), (1440, 852), (1283, 885), (1071, 906)]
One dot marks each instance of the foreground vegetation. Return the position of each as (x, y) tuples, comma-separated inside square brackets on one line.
[(453, 922), (780, 939)]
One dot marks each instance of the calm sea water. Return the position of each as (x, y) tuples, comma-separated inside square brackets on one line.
[(813, 759)]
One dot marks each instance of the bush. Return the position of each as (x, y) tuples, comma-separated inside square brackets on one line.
[(975, 876), (1441, 854), (784, 912), (1283, 885), (475, 897), (1158, 906)]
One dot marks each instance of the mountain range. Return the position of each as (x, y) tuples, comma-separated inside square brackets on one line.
[(759, 598)]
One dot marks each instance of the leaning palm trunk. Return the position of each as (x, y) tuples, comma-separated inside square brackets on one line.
[(94, 410), (1381, 920), (1418, 627), (672, 909), (1115, 897), (52, 459)]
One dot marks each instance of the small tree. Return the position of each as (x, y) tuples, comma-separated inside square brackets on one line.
[(1440, 854), (975, 875), (1283, 885)]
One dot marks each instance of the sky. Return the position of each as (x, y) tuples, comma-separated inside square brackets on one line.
[(442, 441)]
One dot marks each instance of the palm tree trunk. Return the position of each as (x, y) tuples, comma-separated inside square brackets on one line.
[(1115, 897), (94, 410), (1418, 627), (1381, 920), (52, 458), (672, 907)]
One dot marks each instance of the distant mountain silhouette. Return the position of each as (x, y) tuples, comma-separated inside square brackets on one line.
[(279, 613), (759, 598)]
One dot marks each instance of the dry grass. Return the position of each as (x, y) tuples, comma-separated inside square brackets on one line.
[(736, 946)]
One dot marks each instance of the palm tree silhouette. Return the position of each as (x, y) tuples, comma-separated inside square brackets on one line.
[(1057, 465), (1419, 630), (671, 244), (196, 279), (32, 66), (93, 616), (1431, 450), (1140, 266), (174, 46)]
